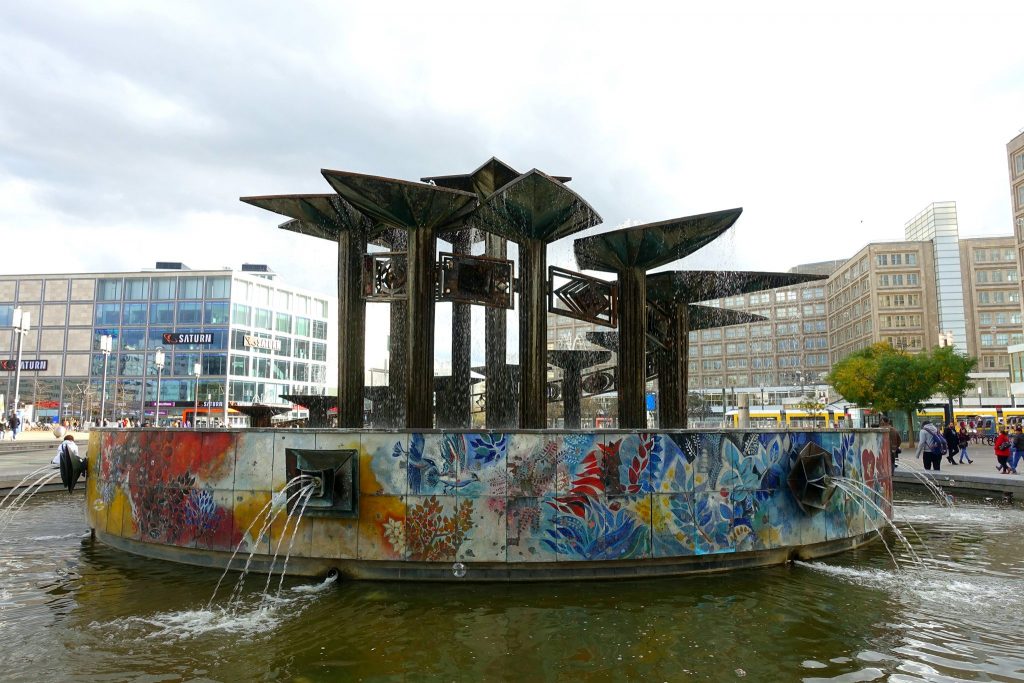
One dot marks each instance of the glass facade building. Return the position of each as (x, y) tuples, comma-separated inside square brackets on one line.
[(253, 338)]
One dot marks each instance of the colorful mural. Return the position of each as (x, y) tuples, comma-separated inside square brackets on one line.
[(437, 497)]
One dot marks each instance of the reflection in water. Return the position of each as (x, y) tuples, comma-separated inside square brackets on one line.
[(71, 609)]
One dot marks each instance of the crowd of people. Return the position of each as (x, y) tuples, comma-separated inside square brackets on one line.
[(935, 444)]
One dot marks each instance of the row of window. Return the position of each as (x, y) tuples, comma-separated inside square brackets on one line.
[(899, 300), (897, 259), (264, 319), (182, 364), (759, 330), (279, 346), (1000, 297), (183, 312), (984, 277), (908, 320), (1001, 318), (994, 255), (162, 288), (1002, 338), (267, 297), (898, 279)]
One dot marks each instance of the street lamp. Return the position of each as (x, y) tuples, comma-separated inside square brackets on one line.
[(158, 361), (106, 346), (21, 327), (197, 369)]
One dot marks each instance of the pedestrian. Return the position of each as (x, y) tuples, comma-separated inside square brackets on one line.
[(894, 440), (3, 427), (931, 445), (14, 421), (1002, 448), (965, 441), (952, 443), (1017, 443)]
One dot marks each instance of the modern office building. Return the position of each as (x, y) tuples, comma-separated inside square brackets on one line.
[(252, 337)]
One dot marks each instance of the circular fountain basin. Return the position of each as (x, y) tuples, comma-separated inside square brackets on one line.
[(483, 506)]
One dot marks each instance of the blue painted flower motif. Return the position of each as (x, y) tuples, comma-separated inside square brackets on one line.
[(602, 531)]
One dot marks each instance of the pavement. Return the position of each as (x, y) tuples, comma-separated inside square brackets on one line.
[(980, 478)]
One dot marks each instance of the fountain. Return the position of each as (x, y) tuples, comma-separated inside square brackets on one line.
[(427, 499)]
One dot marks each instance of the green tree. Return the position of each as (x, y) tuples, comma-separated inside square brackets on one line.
[(904, 381), (953, 372), (892, 380)]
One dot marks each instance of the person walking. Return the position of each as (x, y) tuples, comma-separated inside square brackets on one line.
[(932, 445), (14, 421), (3, 427), (965, 440), (1017, 444), (952, 443), (895, 441), (1002, 448)]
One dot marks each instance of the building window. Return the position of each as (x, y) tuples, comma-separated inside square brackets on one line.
[(301, 348), (214, 364), (262, 319), (218, 287), (1018, 164), (241, 314), (911, 259), (238, 340), (240, 366), (285, 348), (136, 289), (108, 314), (882, 259), (135, 314), (164, 288), (320, 351), (108, 290), (319, 329), (190, 313), (190, 288), (302, 327), (161, 314), (216, 313), (283, 322)]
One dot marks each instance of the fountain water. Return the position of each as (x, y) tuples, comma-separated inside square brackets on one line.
[(6, 515)]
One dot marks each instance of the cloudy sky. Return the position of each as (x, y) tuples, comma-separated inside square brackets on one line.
[(128, 130)]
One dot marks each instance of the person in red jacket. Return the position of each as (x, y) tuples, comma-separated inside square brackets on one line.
[(1002, 449)]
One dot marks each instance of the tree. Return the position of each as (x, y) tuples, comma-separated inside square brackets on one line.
[(891, 380), (953, 372)]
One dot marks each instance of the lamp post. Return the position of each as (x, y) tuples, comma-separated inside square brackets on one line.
[(762, 398), (106, 345), (21, 327), (158, 361), (196, 370)]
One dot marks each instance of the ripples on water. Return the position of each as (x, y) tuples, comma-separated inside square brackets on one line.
[(71, 609)]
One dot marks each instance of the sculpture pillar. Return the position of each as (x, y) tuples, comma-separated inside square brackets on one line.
[(533, 334), (500, 406), (351, 328), (419, 395), (632, 348), (462, 317)]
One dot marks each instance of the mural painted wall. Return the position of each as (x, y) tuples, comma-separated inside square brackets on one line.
[(486, 497)]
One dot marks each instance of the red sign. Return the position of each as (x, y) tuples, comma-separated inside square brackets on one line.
[(47, 404)]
